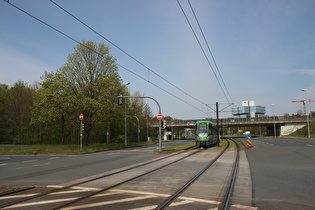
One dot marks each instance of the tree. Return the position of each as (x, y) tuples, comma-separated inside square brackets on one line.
[(88, 83), (138, 107), (20, 99), (4, 125)]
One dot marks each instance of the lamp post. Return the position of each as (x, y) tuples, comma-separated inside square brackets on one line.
[(126, 84), (306, 112), (274, 121), (138, 128)]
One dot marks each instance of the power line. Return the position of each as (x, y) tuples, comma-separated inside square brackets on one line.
[(78, 42), (204, 37), (129, 55), (202, 49)]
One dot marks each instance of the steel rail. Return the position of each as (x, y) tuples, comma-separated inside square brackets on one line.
[(171, 198), (227, 199), (123, 182), (41, 194)]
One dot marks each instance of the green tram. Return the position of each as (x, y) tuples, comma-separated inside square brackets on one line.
[(206, 134)]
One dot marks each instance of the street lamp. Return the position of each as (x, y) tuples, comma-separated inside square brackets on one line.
[(274, 121), (126, 84), (306, 112), (138, 128)]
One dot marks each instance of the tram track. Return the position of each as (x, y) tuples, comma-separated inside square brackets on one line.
[(88, 199), (60, 189), (226, 201)]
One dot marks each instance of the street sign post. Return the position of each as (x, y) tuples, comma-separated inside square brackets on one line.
[(81, 117)]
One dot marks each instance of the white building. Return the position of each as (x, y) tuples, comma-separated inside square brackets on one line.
[(248, 109)]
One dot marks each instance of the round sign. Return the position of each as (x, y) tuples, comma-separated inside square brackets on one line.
[(81, 117), (159, 117)]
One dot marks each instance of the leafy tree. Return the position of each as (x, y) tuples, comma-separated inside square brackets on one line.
[(88, 83), (4, 125), (20, 99), (138, 107)]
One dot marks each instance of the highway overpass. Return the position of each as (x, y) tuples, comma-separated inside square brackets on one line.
[(284, 124)]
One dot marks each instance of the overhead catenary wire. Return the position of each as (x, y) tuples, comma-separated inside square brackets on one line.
[(202, 49), (128, 54), (210, 51), (78, 42)]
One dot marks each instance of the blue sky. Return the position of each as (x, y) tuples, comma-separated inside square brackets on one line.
[(265, 50)]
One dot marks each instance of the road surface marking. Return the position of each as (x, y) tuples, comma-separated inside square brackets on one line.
[(145, 207), (86, 188), (39, 203), (108, 202), (180, 203), (37, 165), (239, 206), (28, 161), (17, 196), (53, 158)]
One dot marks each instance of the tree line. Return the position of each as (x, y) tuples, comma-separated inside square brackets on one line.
[(88, 83)]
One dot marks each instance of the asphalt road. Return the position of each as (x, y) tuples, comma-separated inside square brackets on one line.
[(38, 170), (283, 173)]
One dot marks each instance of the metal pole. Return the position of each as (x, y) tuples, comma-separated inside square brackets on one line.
[(160, 129), (138, 128), (307, 119), (218, 129), (274, 121), (125, 126), (81, 134)]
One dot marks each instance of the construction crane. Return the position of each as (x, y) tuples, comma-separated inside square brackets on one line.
[(304, 104)]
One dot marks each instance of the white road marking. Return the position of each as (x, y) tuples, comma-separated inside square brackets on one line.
[(108, 202), (180, 203), (3, 164), (239, 206), (86, 188), (40, 203), (68, 192), (37, 165), (145, 208), (28, 161), (309, 145), (17, 196), (114, 153), (53, 158)]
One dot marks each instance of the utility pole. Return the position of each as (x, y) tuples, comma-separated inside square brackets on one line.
[(218, 128), (160, 113), (138, 128)]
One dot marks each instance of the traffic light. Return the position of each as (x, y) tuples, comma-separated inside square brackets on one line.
[(163, 124), (120, 99)]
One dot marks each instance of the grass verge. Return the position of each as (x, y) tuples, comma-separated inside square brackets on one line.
[(69, 149)]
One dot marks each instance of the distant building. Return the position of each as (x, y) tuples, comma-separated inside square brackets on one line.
[(248, 110)]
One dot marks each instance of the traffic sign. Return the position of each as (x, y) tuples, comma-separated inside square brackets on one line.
[(159, 117), (248, 137), (81, 116)]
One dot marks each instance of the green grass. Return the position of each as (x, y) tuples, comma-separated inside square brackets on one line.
[(178, 147), (69, 149)]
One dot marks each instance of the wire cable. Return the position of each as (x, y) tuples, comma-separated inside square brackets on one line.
[(129, 55), (78, 42), (204, 53), (204, 37)]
